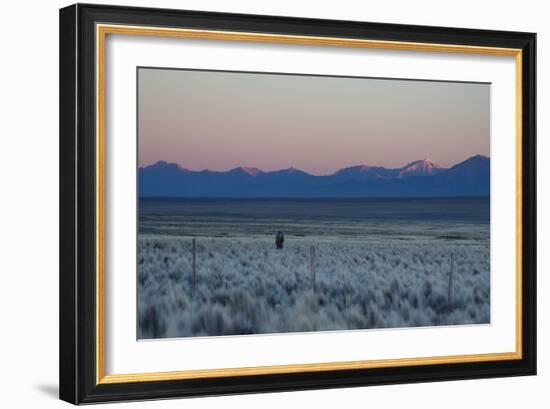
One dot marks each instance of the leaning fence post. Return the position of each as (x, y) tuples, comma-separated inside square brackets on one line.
[(450, 292), (194, 262), (312, 265)]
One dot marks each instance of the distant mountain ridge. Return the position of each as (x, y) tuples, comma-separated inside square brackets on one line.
[(422, 178), (423, 167)]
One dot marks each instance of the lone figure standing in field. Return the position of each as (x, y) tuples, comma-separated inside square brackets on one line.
[(279, 240)]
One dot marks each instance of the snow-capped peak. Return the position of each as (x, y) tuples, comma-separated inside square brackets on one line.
[(250, 171), (420, 167)]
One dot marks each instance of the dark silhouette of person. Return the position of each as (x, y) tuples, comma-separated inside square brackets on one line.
[(279, 240)]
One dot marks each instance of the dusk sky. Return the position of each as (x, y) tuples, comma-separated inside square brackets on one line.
[(221, 120)]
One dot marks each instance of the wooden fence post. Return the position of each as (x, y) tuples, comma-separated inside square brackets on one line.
[(312, 265), (194, 262), (450, 292)]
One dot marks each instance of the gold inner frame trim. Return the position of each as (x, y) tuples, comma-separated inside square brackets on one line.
[(101, 32)]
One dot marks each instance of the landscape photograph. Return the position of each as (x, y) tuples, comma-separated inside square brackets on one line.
[(288, 203)]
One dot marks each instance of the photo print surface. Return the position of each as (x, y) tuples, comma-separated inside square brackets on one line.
[(277, 203)]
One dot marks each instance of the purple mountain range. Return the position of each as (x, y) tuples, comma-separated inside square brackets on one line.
[(422, 178)]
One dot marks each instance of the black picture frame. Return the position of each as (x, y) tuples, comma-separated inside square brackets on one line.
[(78, 312)]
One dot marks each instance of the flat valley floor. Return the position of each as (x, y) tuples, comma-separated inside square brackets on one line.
[(345, 265)]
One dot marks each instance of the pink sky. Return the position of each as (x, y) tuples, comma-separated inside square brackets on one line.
[(221, 120)]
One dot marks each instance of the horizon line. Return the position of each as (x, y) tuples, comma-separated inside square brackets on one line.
[(259, 170)]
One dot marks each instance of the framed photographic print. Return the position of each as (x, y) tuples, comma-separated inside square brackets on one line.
[(257, 203)]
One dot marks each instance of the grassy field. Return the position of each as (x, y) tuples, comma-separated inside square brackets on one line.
[(245, 285)]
